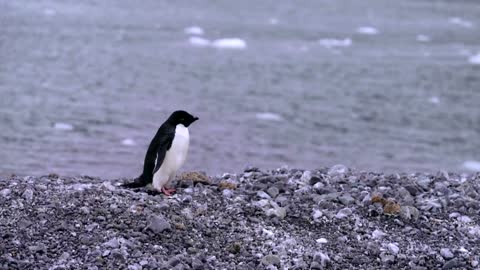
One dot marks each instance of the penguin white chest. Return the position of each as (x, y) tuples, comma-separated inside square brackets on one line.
[(174, 158)]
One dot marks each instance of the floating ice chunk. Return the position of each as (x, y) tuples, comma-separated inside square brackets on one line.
[(49, 12), (194, 30), (199, 42), (63, 126), (472, 165), (461, 22), (267, 116), (273, 21), (434, 100), (423, 38), (230, 43), (332, 43), (367, 30), (474, 59), (128, 142)]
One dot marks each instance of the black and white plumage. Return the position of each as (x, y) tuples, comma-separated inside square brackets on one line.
[(166, 154)]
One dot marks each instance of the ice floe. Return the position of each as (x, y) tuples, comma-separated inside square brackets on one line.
[(199, 42), (268, 116), (472, 165), (332, 42), (63, 126), (128, 142), (367, 30), (194, 30), (423, 38), (474, 59), (229, 43), (434, 100), (460, 22)]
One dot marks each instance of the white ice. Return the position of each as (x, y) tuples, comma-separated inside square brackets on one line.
[(128, 142), (423, 38), (229, 43), (474, 59), (367, 30), (460, 22), (194, 30), (199, 42), (63, 126), (267, 116), (332, 42), (472, 165)]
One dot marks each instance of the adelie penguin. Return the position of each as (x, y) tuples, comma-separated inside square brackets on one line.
[(166, 154)]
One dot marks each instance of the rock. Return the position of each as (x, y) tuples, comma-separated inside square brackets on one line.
[(446, 253), (393, 248), (346, 199), (317, 214), (474, 263), (322, 241), (273, 191), (343, 213), (5, 192), (158, 224), (377, 234), (112, 243), (135, 267), (108, 185), (409, 213), (321, 258), (387, 258), (271, 260), (424, 181), (464, 219), (197, 264), (453, 263), (228, 193), (306, 176), (263, 195), (337, 170), (279, 212), (28, 195)]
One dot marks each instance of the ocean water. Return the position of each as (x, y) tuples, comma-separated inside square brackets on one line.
[(374, 85)]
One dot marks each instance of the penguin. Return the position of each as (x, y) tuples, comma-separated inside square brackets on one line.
[(166, 153)]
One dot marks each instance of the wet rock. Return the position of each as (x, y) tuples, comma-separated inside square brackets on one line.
[(158, 224)]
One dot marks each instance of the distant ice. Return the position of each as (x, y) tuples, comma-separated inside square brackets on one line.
[(332, 43), (63, 126), (229, 43), (472, 165), (474, 59), (49, 12), (128, 142), (423, 38), (367, 30), (434, 100), (273, 21), (267, 116), (199, 42), (194, 30), (460, 22)]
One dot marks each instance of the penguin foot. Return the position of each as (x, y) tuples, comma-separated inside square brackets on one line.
[(168, 191), (153, 192)]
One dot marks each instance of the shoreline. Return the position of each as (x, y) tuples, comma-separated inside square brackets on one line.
[(332, 218)]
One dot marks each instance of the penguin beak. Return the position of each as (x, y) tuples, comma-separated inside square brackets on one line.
[(195, 118)]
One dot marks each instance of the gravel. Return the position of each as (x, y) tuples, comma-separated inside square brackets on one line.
[(281, 219)]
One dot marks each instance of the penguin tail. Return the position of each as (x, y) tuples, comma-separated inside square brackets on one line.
[(137, 183)]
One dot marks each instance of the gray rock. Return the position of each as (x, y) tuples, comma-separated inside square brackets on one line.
[(28, 195), (346, 199), (453, 263), (134, 266), (273, 191), (446, 253), (271, 260), (262, 194), (393, 248), (337, 170), (228, 193), (387, 258), (112, 243), (409, 213), (424, 181), (321, 258), (5, 192), (197, 264), (306, 176), (464, 219), (158, 224), (343, 213)]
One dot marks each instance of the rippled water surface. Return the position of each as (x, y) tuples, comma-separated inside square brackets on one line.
[(376, 85)]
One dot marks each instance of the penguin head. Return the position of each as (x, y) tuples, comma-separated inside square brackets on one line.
[(182, 117)]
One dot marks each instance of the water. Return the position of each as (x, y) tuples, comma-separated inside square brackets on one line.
[(85, 84)]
